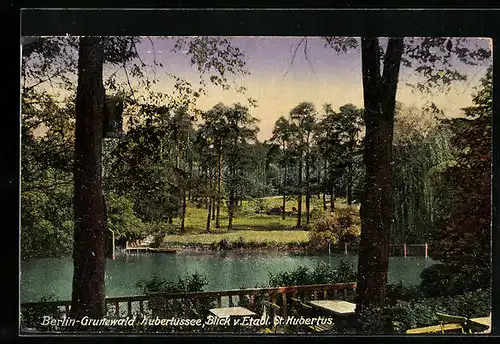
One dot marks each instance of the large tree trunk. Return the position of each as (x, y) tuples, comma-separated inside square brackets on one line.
[(89, 249), (376, 207)]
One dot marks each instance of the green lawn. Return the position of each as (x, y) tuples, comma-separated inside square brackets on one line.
[(279, 237), (247, 225)]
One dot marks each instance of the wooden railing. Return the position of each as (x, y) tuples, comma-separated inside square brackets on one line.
[(198, 303)]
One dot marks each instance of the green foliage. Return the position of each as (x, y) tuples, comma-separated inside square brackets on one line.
[(462, 238), (190, 283), (422, 149), (259, 206), (46, 185), (122, 219), (31, 317), (399, 292), (46, 223), (321, 274), (421, 312), (449, 279), (336, 228)]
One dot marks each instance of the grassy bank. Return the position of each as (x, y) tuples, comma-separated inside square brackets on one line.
[(252, 227)]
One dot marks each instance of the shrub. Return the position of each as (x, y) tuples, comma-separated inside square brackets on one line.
[(122, 219), (335, 229), (422, 312), (223, 244), (31, 318), (317, 213), (321, 274), (191, 283), (450, 279), (401, 292), (46, 223)]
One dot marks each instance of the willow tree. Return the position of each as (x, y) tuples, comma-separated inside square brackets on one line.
[(422, 149)]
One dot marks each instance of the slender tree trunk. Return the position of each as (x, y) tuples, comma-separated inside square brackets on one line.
[(190, 177), (325, 166), (209, 207), (214, 216), (308, 190), (332, 190), (183, 210), (89, 249), (209, 203), (379, 94), (318, 176), (230, 211), (299, 198), (231, 200), (219, 187), (349, 183), (283, 211)]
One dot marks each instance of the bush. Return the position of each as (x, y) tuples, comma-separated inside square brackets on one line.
[(122, 219), (193, 283), (401, 292), (317, 213), (31, 318), (449, 279), (321, 274), (422, 312), (46, 223), (335, 229)]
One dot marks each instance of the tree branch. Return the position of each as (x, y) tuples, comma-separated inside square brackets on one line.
[(293, 57)]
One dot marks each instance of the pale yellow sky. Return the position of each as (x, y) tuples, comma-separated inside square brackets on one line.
[(276, 99), (320, 77)]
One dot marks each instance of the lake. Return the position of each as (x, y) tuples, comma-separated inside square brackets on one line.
[(224, 270)]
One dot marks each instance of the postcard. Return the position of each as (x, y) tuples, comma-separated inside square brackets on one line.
[(255, 185)]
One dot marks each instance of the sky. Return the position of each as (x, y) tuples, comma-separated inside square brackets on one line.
[(322, 76)]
